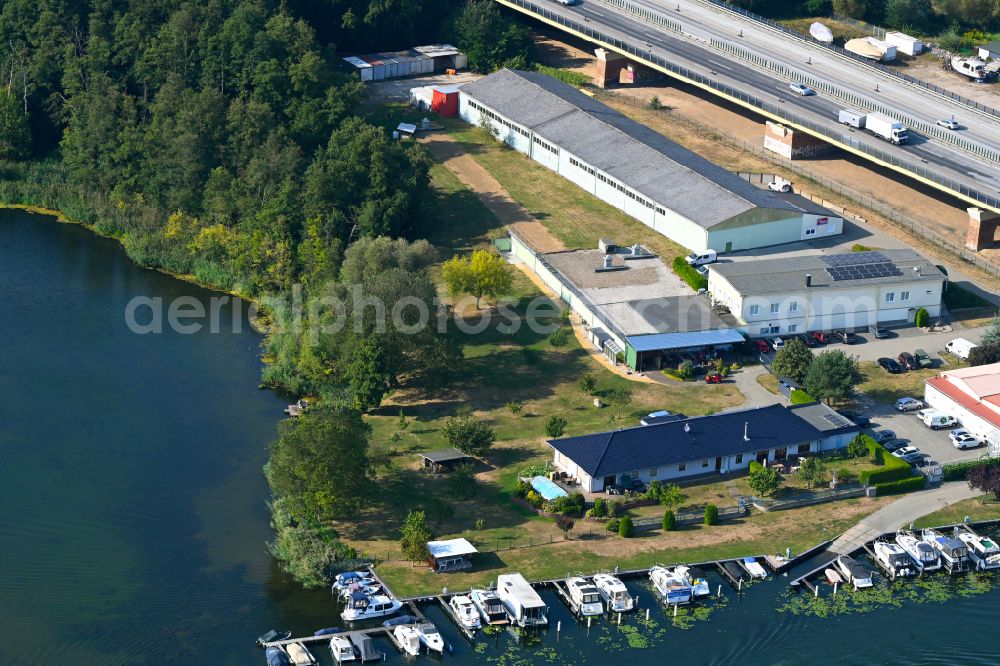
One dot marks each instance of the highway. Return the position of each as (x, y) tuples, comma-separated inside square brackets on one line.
[(700, 23)]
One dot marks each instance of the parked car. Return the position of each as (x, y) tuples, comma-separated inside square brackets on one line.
[(820, 337), (924, 413), (890, 366), (883, 436), (914, 458), (845, 337), (859, 419), (899, 453), (966, 441), (879, 333), (761, 345), (949, 123), (923, 359), (777, 343), (801, 89), (808, 340), (894, 445), (908, 404), (907, 361)]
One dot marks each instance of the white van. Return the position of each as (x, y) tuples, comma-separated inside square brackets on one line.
[(960, 347), (706, 257), (939, 420)]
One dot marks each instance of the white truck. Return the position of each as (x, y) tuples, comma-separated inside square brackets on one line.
[(886, 128), (852, 118)]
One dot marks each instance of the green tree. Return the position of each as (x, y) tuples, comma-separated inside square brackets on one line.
[(908, 13), (792, 360), (15, 135), (319, 464), (969, 12), (485, 273), (832, 376), (625, 526), (984, 354), (669, 521), (811, 471), (462, 482), (555, 426), (620, 397), (711, 515), (859, 446), (491, 39), (764, 481), (307, 554), (414, 536), (469, 434), (588, 384), (600, 509), (921, 318), (852, 8), (991, 336)]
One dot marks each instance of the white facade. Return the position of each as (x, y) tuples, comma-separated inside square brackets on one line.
[(829, 308), (971, 396)]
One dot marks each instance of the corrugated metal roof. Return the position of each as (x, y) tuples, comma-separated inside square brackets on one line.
[(722, 336), (639, 157), (659, 444)]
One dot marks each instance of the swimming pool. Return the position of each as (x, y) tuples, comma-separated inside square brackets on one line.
[(547, 488)]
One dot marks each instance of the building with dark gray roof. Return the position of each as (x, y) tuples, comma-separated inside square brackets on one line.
[(823, 292), (669, 188)]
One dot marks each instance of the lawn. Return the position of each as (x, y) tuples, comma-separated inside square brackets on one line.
[(956, 513), (882, 387), (768, 381)]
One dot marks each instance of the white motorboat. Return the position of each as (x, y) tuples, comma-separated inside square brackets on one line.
[(982, 550), (924, 556), (361, 606), (671, 587), (585, 595), (894, 559), (430, 637), (490, 608), (299, 654), (614, 592), (753, 567), (696, 579), (371, 588), (954, 553), (523, 604), (465, 611), (341, 649), (407, 638), (854, 572)]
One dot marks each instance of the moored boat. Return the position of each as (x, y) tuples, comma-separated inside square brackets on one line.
[(696, 579), (491, 609), (272, 636), (983, 551), (894, 559), (341, 649), (361, 606), (346, 578), (430, 637), (328, 631), (275, 656), (924, 556), (753, 567), (523, 604), (954, 553), (300, 655), (465, 611), (364, 647), (585, 595), (832, 576), (407, 639), (854, 572), (671, 587), (614, 592)]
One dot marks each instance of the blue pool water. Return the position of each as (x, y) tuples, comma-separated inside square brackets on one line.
[(547, 488)]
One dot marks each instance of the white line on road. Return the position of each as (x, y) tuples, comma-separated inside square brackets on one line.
[(717, 64)]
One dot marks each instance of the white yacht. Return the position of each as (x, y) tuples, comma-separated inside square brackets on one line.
[(671, 587), (614, 592), (954, 553), (984, 551), (696, 579), (490, 608), (924, 557), (465, 611), (585, 595), (407, 638), (430, 637), (361, 606), (341, 649), (894, 559), (855, 572)]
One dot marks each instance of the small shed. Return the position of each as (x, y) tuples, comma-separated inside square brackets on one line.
[(451, 554), (445, 101), (990, 51), (443, 460)]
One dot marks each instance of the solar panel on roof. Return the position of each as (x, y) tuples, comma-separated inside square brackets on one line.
[(856, 258), (863, 271), (837, 421)]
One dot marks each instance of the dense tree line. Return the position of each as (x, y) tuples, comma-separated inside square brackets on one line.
[(930, 15)]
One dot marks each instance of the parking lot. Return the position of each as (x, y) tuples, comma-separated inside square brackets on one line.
[(912, 430)]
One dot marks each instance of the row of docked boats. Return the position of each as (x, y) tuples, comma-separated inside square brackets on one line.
[(680, 584)]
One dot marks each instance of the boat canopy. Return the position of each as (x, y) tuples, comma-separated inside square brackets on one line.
[(821, 33)]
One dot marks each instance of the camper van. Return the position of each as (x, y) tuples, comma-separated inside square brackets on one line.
[(960, 347)]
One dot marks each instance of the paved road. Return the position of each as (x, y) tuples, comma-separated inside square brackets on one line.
[(943, 160), (901, 513)]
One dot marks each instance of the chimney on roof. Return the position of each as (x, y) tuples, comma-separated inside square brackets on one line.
[(746, 431), (809, 280)]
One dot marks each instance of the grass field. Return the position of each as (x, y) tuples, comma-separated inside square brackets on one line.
[(956, 513)]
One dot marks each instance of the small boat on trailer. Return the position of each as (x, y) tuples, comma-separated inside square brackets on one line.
[(696, 579), (832, 577), (924, 556), (341, 649), (894, 559), (585, 595), (614, 592), (983, 551), (854, 572), (954, 553), (490, 607), (671, 587)]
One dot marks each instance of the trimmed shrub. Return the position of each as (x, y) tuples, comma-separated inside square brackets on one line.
[(625, 527), (600, 509), (921, 318), (711, 515), (669, 521), (755, 466), (893, 469), (800, 397), (558, 337), (521, 489), (687, 272), (901, 486), (612, 525), (959, 471), (568, 505)]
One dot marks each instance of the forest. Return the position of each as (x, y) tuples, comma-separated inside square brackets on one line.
[(931, 17)]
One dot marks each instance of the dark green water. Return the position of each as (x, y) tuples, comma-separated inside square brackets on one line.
[(132, 518)]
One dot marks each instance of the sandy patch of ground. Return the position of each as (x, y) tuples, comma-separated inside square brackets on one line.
[(931, 69)]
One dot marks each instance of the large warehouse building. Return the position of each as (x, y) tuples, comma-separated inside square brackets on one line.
[(827, 292), (681, 195), (971, 395)]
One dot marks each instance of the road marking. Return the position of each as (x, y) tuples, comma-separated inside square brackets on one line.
[(717, 64)]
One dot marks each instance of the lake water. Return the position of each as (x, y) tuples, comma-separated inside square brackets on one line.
[(132, 516)]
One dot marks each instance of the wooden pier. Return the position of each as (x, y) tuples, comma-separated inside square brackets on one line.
[(468, 633)]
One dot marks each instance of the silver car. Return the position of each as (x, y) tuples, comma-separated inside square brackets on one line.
[(801, 89)]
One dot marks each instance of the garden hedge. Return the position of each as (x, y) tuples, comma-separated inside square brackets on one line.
[(689, 274), (893, 469), (958, 471), (901, 486)]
